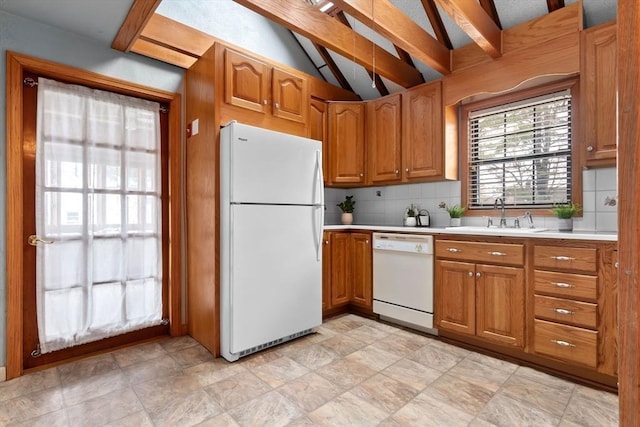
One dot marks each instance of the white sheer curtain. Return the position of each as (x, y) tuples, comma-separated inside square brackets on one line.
[(98, 201)]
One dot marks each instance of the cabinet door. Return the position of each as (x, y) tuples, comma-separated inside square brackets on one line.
[(422, 132), (318, 130), (290, 96), (384, 139), (455, 296), (346, 142), (246, 82), (340, 251), (326, 271), (500, 304), (362, 285), (598, 94)]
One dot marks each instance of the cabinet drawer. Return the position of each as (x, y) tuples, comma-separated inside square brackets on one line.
[(566, 311), (577, 286), (568, 343), (565, 258), (495, 253)]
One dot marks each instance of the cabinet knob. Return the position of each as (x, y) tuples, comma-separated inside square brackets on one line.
[(478, 274), (326, 242), (265, 102), (367, 241), (616, 264), (277, 105), (397, 171), (361, 175), (470, 274), (406, 170), (590, 148)]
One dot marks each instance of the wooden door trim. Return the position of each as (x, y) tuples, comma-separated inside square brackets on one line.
[(628, 175), (17, 64)]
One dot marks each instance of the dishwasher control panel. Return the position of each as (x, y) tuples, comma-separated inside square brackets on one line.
[(411, 243)]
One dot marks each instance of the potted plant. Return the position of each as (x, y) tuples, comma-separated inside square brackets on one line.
[(565, 213), (347, 210), (455, 213), (412, 212)]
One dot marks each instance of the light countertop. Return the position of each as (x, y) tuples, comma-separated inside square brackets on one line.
[(481, 231)]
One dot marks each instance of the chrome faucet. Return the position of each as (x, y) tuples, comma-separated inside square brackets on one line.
[(503, 218), (529, 218)]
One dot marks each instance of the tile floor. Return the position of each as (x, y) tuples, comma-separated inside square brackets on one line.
[(353, 372)]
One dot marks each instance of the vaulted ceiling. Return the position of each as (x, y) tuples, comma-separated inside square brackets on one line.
[(370, 47)]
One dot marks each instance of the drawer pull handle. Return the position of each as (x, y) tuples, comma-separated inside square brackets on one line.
[(495, 253), (563, 258), (562, 311), (562, 343), (562, 285), (454, 250)]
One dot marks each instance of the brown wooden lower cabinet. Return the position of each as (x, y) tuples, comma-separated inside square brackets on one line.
[(480, 299), (551, 303), (347, 270)]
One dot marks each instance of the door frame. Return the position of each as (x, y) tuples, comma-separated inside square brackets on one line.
[(17, 64), (628, 39)]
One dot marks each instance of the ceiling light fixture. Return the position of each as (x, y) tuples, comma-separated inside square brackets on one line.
[(328, 5), (324, 5)]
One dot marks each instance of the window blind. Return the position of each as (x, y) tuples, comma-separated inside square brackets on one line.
[(521, 152)]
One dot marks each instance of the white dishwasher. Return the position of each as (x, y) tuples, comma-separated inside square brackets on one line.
[(403, 279)]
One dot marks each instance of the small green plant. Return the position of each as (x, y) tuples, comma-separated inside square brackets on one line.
[(347, 205), (412, 210), (566, 210), (454, 211)]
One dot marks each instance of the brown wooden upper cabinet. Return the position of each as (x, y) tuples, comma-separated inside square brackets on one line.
[(598, 94), (253, 85), (423, 138), (346, 143), (318, 130), (384, 139)]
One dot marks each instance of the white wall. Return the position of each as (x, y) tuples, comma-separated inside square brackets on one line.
[(46, 42), (389, 207)]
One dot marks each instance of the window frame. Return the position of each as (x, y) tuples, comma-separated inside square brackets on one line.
[(576, 161)]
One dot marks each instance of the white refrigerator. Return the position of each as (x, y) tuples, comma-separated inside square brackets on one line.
[(271, 222)]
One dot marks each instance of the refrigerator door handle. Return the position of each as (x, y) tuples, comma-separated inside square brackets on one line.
[(318, 226), (319, 184), (319, 188)]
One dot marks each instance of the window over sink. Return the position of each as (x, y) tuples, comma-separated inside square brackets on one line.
[(519, 148)]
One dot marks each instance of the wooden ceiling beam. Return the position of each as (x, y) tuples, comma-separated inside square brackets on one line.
[(320, 28), (436, 23), (385, 18), (177, 36), (138, 16), (474, 21), (489, 6), (554, 5)]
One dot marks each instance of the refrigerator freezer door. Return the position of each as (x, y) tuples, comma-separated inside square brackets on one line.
[(271, 167), (275, 274)]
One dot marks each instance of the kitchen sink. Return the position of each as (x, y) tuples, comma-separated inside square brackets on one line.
[(496, 230)]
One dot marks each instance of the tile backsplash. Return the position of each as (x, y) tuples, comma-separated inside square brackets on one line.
[(386, 205)]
